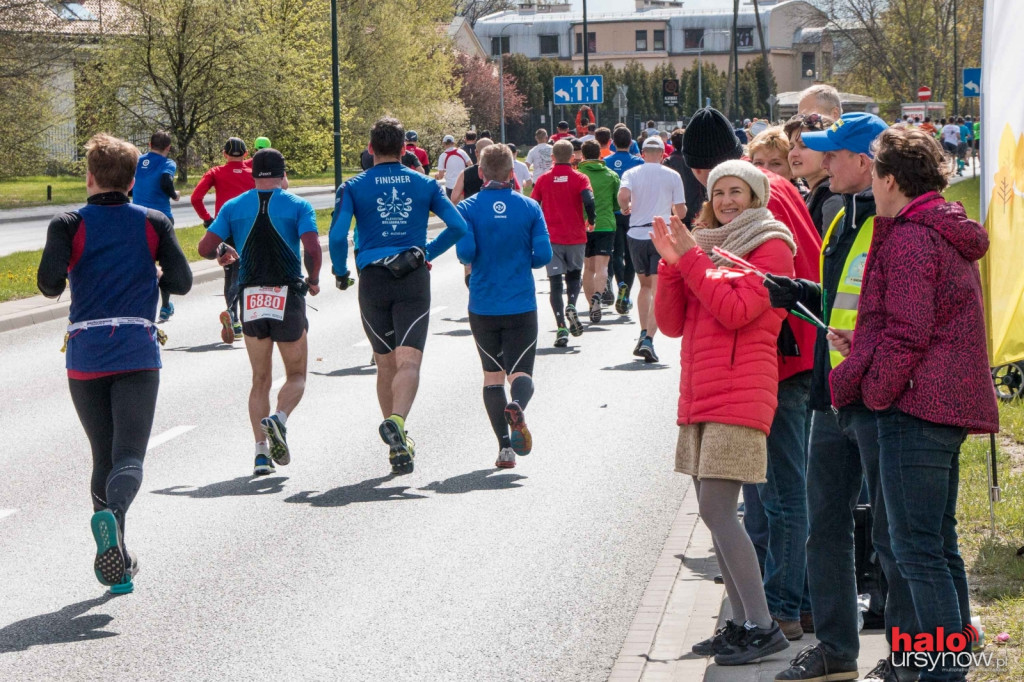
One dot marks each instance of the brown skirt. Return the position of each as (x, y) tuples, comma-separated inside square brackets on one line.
[(712, 450)]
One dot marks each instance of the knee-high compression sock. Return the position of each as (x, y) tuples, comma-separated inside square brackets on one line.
[(165, 298), (557, 305), (123, 485), (522, 390), (573, 283), (495, 402)]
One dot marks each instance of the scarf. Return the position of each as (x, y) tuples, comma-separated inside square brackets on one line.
[(747, 231)]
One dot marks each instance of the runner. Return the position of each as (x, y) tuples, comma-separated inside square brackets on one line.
[(269, 223), (564, 194), (622, 263), (562, 133), (470, 145), (507, 239), (469, 181), (540, 156), (520, 171), (647, 191), (605, 184), (108, 250), (154, 188), (451, 164), (411, 138), (391, 205), (228, 181)]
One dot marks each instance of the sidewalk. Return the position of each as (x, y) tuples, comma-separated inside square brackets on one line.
[(682, 605)]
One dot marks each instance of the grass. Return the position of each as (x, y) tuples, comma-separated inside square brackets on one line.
[(18, 270), (967, 193), (995, 572)]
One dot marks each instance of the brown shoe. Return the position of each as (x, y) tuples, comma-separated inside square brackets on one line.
[(790, 628), (806, 621)]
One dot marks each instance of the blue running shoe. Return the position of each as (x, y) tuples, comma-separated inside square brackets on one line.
[(276, 433), (519, 436), (131, 567), (264, 466), (109, 564), (166, 312)]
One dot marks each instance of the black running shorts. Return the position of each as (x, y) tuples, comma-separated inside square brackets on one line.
[(506, 343), (645, 257), (287, 330), (600, 243), (395, 312)]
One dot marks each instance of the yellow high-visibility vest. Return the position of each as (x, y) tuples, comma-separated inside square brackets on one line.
[(843, 315)]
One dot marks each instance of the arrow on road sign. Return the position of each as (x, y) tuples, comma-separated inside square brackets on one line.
[(971, 85), (595, 88), (562, 94), (579, 89)]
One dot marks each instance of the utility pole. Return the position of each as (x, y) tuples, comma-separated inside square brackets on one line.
[(586, 42), (956, 66), (337, 94), (736, 59)]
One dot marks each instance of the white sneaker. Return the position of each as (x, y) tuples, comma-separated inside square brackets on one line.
[(506, 458)]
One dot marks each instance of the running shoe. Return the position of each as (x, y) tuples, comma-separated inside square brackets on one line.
[(131, 568), (264, 466), (276, 436), (506, 458), (236, 326), (595, 308), (562, 337), (166, 312), (109, 564), (622, 299), (647, 350), (608, 296), (751, 644), (575, 328), (521, 440), (227, 331), (402, 448), (712, 645), (639, 345)]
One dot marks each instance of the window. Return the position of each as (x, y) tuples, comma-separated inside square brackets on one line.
[(500, 45), (745, 37), (71, 11), (659, 40), (807, 65), (641, 41), (591, 42), (549, 44), (693, 38)]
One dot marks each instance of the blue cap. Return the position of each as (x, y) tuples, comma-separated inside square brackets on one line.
[(853, 132), (411, 136)]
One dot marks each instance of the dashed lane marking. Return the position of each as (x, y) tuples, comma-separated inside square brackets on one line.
[(7, 512), (157, 441)]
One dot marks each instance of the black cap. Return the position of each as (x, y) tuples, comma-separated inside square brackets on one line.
[(268, 163), (235, 147), (709, 140), (563, 124)]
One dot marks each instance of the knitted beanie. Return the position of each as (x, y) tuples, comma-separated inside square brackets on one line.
[(709, 140), (745, 171)]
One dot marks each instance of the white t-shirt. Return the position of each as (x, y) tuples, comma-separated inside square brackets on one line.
[(521, 171), (587, 138), (453, 162), (540, 158), (654, 189), (951, 133)]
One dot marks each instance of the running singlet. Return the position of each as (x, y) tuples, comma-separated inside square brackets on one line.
[(266, 226), (391, 205), (147, 191)]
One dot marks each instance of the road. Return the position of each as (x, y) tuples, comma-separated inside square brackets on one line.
[(332, 569), (25, 229)]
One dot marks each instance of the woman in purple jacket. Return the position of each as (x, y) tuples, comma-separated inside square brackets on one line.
[(918, 359)]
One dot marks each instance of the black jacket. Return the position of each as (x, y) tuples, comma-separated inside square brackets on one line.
[(694, 192), (823, 205)]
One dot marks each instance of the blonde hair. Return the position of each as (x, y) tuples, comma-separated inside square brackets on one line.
[(562, 151), (111, 161), (496, 162), (707, 216), (772, 139)]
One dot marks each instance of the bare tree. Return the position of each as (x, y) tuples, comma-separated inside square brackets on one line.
[(472, 10)]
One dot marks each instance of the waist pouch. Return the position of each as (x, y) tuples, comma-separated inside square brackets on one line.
[(403, 264)]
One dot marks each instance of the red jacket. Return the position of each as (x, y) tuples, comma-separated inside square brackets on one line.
[(919, 343), (789, 208), (420, 153), (729, 370), (230, 180)]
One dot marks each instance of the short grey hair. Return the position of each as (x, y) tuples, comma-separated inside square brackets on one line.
[(827, 96), (496, 162)]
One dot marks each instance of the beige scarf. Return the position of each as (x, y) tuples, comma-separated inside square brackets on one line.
[(747, 231)]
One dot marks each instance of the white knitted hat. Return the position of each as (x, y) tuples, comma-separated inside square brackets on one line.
[(745, 171)]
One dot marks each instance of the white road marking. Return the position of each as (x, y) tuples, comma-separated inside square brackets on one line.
[(7, 512), (157, 441), (437, 309), (278, 383), (363, 343)]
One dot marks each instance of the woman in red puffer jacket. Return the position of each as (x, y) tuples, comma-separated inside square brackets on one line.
[(918, 359)]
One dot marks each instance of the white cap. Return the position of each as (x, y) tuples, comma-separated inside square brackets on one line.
[(447, 139), (654, 141)]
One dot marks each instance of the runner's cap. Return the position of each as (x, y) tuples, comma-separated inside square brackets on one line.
[(268, 163), (411, 136), (235, 147), (654, 142), (262, 143), (854, 132), (447, 139)]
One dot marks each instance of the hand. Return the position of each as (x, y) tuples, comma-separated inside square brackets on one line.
[(625, 210), (782, 291), (226, 255), (590, 226), (671, 240), (343, 282), (314, 287), (841, 340), (208, 222)]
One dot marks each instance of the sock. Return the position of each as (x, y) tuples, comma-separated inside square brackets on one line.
[(263, 448), (643, 334), (573, 283), (400, 420), (556, 300), (282, 416), (522, 390), (123, 484), (495, 402)]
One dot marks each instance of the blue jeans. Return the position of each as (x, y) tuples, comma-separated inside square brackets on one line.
[(919, 463), (843, 453), (755, 522)]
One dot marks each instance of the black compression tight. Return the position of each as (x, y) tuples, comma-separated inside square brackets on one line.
[(573, 285), (117, 414), (557, 302)]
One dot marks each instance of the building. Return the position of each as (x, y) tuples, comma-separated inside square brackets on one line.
[(464, 39), (669, 31)]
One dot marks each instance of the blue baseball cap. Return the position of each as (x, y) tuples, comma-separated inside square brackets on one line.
[(853, 132)]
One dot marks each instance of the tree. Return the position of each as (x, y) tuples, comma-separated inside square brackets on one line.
[(481, 93), (474, 9)]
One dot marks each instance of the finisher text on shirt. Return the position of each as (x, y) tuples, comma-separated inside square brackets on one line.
[(391, 179)]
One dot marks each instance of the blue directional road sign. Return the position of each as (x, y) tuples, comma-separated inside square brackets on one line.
[(579, 89), (972, 82)]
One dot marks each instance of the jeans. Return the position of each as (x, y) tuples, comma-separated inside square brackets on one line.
[(755, 523), (843, 452), (919, 463)]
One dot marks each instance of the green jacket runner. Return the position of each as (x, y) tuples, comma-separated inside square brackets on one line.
[(605, 183)]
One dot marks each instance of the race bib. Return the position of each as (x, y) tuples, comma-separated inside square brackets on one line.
[(264, 303)]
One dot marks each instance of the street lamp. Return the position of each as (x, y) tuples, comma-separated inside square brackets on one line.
[(700, 75), (501, 70)]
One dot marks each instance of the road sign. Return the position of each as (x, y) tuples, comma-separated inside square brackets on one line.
[(579, 89), (972, 82), (924, 93), (670, 91)]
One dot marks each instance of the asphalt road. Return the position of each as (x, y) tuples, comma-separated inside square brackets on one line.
[(332, 569), (25, 229)]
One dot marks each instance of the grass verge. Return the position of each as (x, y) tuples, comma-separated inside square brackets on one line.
[(18, 270), (968, 193)]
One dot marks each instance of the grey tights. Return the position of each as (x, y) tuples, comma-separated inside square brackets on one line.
[(736, 557)]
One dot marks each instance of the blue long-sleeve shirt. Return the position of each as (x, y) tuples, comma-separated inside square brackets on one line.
[(507, 238), (391, 205)]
